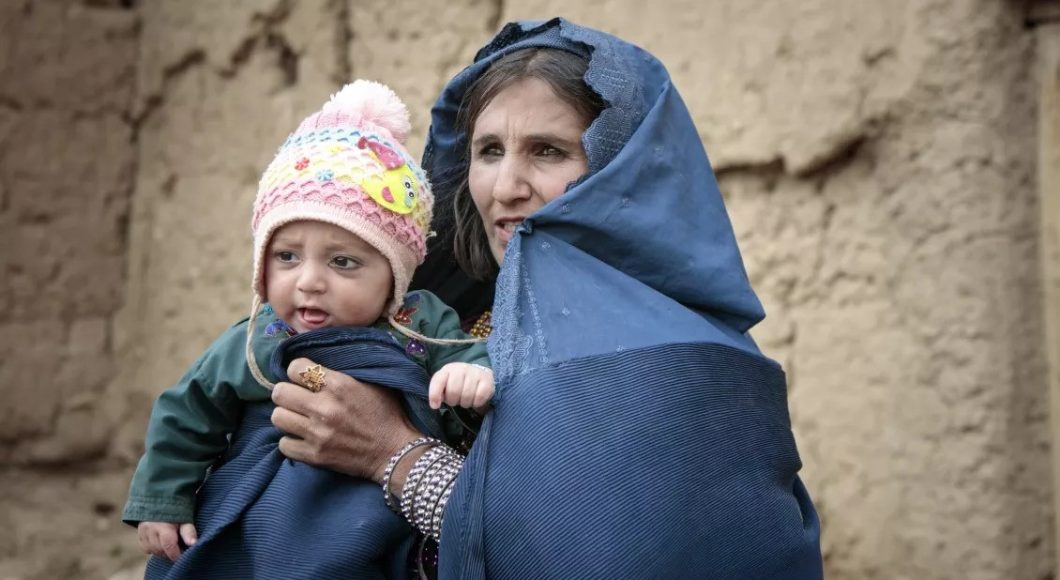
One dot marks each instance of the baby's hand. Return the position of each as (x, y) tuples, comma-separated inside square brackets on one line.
[(160, 538), (462, 385)]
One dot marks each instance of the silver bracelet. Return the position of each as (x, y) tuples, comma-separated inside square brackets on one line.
[(412, 482), (428, 487), (413, 496), (439, 509), (395, 459)]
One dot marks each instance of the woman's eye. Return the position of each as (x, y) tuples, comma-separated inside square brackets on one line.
[(344, 262), (490, 151), (549, 151)]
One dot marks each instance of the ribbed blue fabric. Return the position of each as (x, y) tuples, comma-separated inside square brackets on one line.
[(682, 465), (261, 515), (637, 430)]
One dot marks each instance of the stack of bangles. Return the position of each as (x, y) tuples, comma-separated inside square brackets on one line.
[(427, 488)]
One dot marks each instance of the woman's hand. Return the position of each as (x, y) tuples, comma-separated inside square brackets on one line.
[(348, 426)]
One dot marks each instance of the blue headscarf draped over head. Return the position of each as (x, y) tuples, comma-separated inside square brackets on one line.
[(637, 431)]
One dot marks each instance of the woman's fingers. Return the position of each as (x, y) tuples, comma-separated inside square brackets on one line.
[(348, 426), (292, 397), (298, 450), (291, 422), (299, 366)]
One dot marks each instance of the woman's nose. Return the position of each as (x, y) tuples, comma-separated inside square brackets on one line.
[(513, 182)]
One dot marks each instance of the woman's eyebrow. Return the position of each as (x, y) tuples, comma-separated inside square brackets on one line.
[(483, 139), (552, 138), (532, 137)]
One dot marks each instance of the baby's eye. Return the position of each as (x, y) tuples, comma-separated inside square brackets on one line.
[(285, 256), (345, 262)]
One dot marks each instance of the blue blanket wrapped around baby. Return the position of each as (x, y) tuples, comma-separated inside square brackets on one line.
[(261, 515)]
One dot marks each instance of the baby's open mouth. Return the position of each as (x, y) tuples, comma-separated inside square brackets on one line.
[(312, 315)]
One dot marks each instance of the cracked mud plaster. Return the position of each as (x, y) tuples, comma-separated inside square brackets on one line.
[(878, 164), (67, 168)]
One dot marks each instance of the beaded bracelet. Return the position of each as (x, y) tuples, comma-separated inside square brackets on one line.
[(437, 509), (435, 504), (422, 499), (416, 476), (427, 488), (412, 496), (395, 459)]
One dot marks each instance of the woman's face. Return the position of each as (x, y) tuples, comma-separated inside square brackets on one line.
[(526, 146)]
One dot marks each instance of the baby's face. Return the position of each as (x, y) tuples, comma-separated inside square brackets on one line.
[(319, 275)]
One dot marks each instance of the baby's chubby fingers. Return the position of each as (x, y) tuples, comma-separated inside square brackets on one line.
[(483, 393), (470, 385), (159, 539), (454, 390), (167, 542), (188, 534), (146, 537), (439, 383)]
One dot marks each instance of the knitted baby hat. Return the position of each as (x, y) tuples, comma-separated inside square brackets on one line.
[(347, 165)]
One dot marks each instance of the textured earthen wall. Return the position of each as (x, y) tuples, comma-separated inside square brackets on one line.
[(66, 174), (220, 87), (878, 160), (67, 164)]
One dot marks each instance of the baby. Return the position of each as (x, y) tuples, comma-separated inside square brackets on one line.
[(340, 223)]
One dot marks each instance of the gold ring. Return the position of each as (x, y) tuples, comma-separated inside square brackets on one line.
[(313, 377)]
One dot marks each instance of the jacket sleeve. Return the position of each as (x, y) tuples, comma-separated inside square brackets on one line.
[(188, 431), (438, 320)]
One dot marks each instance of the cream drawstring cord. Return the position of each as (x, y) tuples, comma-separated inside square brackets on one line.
[(252, 361), (439, 341), (259, 376)]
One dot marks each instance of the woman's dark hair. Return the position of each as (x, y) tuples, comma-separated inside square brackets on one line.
[(564, 72)]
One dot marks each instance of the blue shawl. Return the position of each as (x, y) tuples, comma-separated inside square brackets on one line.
[(637, 430), (260, 515)]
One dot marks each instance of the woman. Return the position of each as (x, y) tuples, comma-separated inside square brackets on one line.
[(636, 431)]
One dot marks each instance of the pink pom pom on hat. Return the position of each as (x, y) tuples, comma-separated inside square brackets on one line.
[(347, 165)]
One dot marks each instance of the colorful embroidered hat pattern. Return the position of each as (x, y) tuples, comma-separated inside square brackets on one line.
[(347, 165)]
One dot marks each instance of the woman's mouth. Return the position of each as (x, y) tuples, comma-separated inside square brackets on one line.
[(505, 229)]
